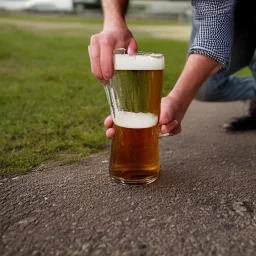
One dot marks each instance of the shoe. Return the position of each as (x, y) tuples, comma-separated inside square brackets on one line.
[(252, 108), (244, 123)]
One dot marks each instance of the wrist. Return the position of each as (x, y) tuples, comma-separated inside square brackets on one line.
[(182, 101), (115, 23)]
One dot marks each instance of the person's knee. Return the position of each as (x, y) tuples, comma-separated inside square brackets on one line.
[(212, 89), (205, 94), (201, 95)]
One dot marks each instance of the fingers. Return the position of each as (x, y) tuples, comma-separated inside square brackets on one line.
[(108, 122), (106, 59), (132, 47), (101, 50), (94, 53), (176, 130), (110, 132), (170, 117), (168, 124), (172, 128), (167, 128)]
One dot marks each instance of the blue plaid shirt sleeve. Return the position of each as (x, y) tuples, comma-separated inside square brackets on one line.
[(215, 35)]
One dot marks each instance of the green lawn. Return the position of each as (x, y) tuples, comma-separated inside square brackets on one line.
[(51, 106), (76, 19)]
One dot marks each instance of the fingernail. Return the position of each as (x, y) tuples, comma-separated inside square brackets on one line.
[(164, 134), (129, 51), (174, 122)]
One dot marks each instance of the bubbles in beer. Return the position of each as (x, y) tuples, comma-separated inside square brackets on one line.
[(135, 120)]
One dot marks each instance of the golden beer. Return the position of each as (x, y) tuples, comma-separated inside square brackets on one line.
[(134, 96), (134, 155)]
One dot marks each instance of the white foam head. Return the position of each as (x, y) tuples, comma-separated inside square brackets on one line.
[(135, 120), (141, 61)]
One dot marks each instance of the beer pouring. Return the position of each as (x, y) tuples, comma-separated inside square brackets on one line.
[(134, 97)]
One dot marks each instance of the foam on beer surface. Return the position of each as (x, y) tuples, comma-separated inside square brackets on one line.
[(135, 120), (141, 61)]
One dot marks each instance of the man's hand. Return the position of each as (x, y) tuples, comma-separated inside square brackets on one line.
[(102, 46), (169, 121), (174, 106), (171, 116)]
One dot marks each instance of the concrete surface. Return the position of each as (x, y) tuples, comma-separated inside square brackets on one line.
[(204, 203)]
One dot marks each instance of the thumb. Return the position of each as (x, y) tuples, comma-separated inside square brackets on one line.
[(167, 120), (165, 117), (132, 47), (170, 126), (166, 113)]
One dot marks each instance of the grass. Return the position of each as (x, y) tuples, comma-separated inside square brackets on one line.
[(60, 18), (51, 106)]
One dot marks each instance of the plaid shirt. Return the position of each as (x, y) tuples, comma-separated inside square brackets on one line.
[(215, 19)]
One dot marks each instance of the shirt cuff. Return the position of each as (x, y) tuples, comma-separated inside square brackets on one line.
[(212, 55)]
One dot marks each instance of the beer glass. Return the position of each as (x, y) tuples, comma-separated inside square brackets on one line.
[(134, 97)]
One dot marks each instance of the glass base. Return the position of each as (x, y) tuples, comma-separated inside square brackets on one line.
[(136, 180)]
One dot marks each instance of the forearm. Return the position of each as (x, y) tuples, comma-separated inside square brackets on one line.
[(114, 12), (196, 71)]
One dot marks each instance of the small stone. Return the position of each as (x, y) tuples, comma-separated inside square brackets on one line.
[(169, 219), (119, 223), (151, 223), (239, 207), (85, 246), (26, 221)]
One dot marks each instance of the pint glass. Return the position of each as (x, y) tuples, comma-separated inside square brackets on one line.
[(134, 96)]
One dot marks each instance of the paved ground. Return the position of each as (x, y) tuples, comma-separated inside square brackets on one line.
[(204, 203)]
